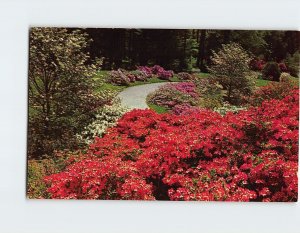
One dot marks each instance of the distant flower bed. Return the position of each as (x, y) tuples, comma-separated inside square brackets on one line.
[(158, 71), (171, 95), (143, 73), (248, 156)]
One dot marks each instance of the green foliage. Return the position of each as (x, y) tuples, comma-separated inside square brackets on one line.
[(157, 108), (36, 171), (191, 51), (271, 71), (293, 63), (61, 96), (210, 91), (230, 68)]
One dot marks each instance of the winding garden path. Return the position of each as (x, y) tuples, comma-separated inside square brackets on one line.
[(135, 97)]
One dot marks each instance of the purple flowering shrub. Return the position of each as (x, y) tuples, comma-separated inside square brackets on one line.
[(158, 71), (185, 109), (124, 77), (185, 87), (171, 95)]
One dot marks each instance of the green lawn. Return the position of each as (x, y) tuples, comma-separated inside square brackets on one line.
[(262, 82), (158, 109)]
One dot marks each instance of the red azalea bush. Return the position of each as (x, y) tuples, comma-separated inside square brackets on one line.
[(274, 90), (248, 156), (282, 67)]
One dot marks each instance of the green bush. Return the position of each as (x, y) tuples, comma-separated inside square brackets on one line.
[(210, 92), (36, 171), (271, 71), (293, 64)]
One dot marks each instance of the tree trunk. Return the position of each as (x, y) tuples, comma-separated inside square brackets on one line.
[(201, 51)]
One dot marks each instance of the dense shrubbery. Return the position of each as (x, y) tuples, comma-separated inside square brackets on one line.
[(143, 73), (171, 95), (271, 71), (185, 76), (38, 169), (158, 71), (118, 77), (275, 90), (61, 97), (210, 91), (293, 64), (248, 156), (106, 117), (257, 64)]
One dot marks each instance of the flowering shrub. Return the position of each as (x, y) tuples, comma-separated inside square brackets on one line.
[(146, 70), (210, 91), (184, 76), (274, 90), (171, 95), (228, 108), (282, 67), (185, 109), (184, 87), (106, 117), (119, 77), (285, 77), (257, 64), (137, 75), (157, 70), (248, 156)]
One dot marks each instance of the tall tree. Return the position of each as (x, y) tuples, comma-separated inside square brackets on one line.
[(60, 94)]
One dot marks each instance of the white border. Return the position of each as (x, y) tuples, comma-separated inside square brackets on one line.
[(20, 215)]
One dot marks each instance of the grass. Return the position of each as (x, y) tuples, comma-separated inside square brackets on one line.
[(158, 109), (202, 75), (262, 82)]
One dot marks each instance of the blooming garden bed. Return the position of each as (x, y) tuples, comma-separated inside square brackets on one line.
[(248, 156)]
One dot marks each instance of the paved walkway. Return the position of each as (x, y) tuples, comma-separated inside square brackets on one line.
[(135, 97)]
